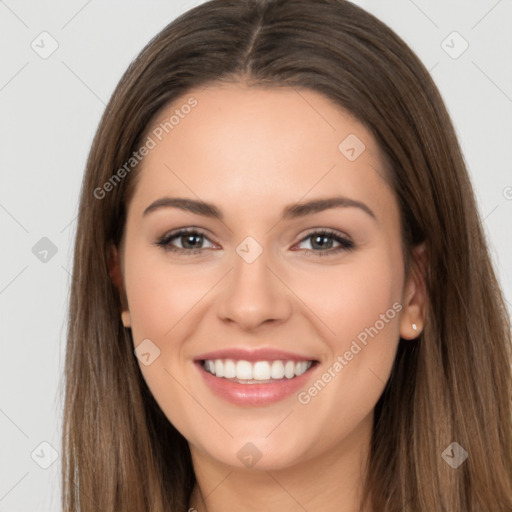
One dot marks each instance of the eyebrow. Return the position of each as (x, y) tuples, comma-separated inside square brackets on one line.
[(292, 211)]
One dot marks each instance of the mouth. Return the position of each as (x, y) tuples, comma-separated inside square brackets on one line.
[(255, 379), (256, 372)]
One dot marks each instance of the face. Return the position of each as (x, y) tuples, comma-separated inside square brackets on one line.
[(264, 239)]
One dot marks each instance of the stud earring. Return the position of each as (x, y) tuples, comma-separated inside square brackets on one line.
[(415, 327)]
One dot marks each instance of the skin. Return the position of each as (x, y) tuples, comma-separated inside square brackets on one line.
[(251, 152)]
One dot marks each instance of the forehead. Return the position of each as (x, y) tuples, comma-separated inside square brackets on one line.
[(240, 143)]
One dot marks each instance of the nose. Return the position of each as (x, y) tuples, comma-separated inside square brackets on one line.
[(254, 294)]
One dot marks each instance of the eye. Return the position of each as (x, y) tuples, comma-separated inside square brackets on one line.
[(322, 242), (184, 241), (191, 241)]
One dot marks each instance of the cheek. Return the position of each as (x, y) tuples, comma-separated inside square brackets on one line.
[(159, 294), (159, 298), (360, 303), (352, 297)]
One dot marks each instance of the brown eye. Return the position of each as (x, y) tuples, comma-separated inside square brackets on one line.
[(185, 241), (326, 242)]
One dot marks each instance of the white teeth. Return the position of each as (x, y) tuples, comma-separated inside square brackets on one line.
[(257, 371), (301, 367), (219, 368), (261, 370), (229, 369), (277, 370), (243, 370), (289, 369)]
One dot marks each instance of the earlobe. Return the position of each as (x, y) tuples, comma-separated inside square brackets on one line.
[(415, 295), (116, 275)]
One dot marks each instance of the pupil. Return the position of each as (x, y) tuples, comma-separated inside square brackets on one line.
[(322, 241), (188, 238)]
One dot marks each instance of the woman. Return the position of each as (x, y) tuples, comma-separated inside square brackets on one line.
[(282, 295)]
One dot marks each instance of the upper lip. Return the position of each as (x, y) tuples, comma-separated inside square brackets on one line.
[(260, 354)]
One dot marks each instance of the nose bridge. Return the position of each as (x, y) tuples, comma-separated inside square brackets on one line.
[(253, 294)]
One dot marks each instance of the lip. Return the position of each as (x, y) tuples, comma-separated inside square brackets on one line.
[(260, 354), (254, 395)]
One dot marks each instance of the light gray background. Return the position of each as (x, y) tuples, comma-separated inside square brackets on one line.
[(50, 109)]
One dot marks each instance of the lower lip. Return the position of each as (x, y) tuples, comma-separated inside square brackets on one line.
[(255, 394)]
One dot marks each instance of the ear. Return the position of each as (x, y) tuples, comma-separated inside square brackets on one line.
[(116, 275), (415, 295)]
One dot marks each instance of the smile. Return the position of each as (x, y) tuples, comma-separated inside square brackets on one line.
[(257, 372), (256, 383)]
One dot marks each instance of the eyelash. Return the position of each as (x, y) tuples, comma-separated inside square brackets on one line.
[(345, 243)]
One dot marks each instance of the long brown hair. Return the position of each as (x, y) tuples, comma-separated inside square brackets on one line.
[(453, 384)]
